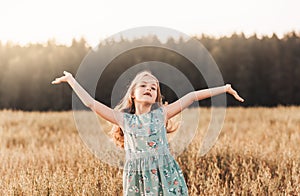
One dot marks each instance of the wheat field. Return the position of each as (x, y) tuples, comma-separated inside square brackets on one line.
[(257, 153)]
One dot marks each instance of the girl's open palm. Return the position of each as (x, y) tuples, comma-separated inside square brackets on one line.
[(64, 78), (231, 91)]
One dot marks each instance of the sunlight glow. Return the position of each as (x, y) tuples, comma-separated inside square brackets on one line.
[(38, 21)]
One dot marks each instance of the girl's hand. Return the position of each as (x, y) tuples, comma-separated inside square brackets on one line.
[(231, 91), (67, 77)]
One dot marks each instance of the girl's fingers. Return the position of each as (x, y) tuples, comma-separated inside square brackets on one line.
[(239, 98), (55, 81), (235, 94), (61, 79), (67, 73)]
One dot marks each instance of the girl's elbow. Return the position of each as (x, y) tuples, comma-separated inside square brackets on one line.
[(193, 97), (90, 105)]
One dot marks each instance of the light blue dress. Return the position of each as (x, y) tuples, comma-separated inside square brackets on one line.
[(150, 169)]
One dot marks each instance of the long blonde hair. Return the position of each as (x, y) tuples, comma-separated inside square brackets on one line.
[(127, 105)]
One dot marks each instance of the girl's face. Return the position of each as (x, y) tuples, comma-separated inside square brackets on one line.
[(145, 90)]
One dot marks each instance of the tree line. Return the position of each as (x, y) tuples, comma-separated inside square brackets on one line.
[(264, 70)]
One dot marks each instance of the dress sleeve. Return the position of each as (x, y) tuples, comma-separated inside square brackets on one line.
[(124, 121)]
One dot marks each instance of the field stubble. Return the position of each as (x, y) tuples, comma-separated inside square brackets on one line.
[(257, 153)]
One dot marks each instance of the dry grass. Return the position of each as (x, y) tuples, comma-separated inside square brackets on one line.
[(257, 154)]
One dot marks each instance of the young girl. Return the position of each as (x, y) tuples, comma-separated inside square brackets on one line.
[(140, 127)]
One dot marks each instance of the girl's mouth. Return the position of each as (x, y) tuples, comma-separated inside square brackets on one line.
[(148, 94)]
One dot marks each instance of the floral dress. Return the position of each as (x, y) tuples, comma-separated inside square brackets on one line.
[(150, 169)]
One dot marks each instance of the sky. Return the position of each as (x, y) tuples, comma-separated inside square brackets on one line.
[(32, 21)]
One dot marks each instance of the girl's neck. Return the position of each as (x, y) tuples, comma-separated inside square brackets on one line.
[(142, 108)]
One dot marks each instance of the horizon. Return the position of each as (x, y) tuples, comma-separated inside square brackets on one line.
[(55, 42)]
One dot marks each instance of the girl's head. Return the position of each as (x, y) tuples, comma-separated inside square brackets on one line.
[(144, 89)]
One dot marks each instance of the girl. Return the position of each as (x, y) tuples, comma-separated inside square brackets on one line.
[(140, 127)]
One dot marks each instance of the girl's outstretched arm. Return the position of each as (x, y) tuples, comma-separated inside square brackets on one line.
[(102, 110), (176, 107)]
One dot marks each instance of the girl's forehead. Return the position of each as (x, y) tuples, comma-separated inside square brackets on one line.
[(148, 79)]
